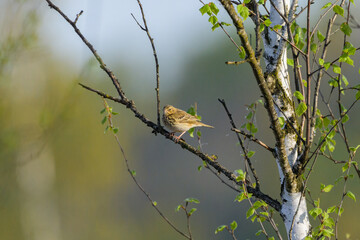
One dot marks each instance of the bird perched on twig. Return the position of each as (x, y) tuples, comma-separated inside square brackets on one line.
[(180, 121)]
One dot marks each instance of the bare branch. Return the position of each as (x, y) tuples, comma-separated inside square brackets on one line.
[(157, 89), (254, 139)]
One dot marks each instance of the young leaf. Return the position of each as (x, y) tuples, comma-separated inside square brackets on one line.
[(233, 225), (104, 120), (214, 8), (339, 10), (243, 11), (155, 203), (326, 5), (298, 95), (351, 195), (301, 108), (220, 228), (320, 36), (192, 211), (345, 28), (250, 212), (205, 9), (115, 130), (191, 200), (178, 208), (327, 188), (250, 154), (336, 69), (290, 62)]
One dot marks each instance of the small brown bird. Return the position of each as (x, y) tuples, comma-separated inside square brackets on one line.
[(180, 121)]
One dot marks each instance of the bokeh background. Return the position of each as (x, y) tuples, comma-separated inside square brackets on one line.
[(61, 177)]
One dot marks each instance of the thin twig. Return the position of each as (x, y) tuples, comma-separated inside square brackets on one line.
[(77, 16), (135, 180), (157, 89), (254, 139), (222, 101)]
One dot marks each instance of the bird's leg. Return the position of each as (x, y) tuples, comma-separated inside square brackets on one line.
[(178, 138)]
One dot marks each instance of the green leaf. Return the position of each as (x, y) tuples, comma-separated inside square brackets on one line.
[(321, 61), (345, 81), (250, 212), (339, 10), (351, 195), (215, 26), (320, 36), (250, 154), (240, 175), (104, 120), (313, 47), (191, 200), (259, 232), (220, 228), (154, 203), (354, 149), (261, 1), (336, 69), (191, 132), (233, 225), (271, 238), (315, 212), (290, 62), (331, 209), (346, 29), (199, 168), (357, 95), (345, 167), (178, 208), (102, 111), (345, 118), (242, 53), (277, 27), (301, 108), (326, 5), (213, 20), (249, 116), (327, 188), (205, 9), (192, 211), (258, 204), (282, 121), (243, 11), (133, 172), (333, 82), (267, 22), (115, 130), (198, 133), (262, 27), (298, 95), (242, 196), (327, 65), (214, 8)]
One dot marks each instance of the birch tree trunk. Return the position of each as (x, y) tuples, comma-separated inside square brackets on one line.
[(275, 56)]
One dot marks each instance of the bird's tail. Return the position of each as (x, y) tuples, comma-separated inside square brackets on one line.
[(205, 125)]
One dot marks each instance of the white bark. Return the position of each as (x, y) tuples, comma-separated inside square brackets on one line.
[(275, 56)]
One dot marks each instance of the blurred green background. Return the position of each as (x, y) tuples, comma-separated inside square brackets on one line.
[(61, 177)]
